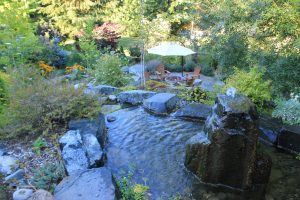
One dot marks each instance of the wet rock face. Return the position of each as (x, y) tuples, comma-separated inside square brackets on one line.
[(289, 138), (162, 103), (228, 155)]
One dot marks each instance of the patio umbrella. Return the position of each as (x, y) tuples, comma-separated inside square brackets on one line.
[(171, 49)]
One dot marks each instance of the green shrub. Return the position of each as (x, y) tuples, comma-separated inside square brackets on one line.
[(48, 176), (207, 70), (195, 94), (174, 67), (250, 84), (39, 105), (190, 66), (153, 85), (151, 66), (108, 71), (288, 111)]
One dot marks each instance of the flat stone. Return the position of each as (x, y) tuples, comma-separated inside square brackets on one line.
[(289, 138), (15, 177), (8, 165), (101, 89), (134, 97), (112, 97), (107, 109), (93, 184), (22, 194), (194, 110), (161, 103), (41, 195)]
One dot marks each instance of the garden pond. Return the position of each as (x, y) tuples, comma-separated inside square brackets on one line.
[(153, 147)]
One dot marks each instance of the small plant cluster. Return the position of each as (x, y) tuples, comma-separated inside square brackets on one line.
[(154, 85), (74, 68), (298, 156), (75, 72), (46, 69), (48, 176), (131, 191), (195, 94), (288, 110), (38, 145)]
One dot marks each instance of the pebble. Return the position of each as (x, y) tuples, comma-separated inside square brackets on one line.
[(111, 118), (22, 194)]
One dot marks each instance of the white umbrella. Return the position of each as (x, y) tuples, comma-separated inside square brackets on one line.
[(170, 49)]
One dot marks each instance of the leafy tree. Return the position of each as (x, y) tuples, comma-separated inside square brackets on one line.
[(18, 43), (69, 17)]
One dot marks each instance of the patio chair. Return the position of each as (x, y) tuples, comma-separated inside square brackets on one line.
[(196, 75), (147, 75), (161, 72), (197, 72)]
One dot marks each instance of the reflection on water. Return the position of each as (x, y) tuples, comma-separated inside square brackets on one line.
[(156, 147)]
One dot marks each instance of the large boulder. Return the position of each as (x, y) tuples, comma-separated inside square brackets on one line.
[(289, 138), (101, 89), (134, 97), (73, 152), (162, 103), (228, 155), (93, 184), (194, 111), (8, 165), (82, 146)]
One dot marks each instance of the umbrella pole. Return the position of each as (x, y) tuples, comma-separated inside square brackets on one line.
[(182, 65)]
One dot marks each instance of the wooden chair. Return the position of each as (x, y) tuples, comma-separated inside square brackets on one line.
[(196, 75), (147, 75), (197, 72), (161, 72)]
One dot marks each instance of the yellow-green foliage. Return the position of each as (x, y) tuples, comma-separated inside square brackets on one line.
[(108, 71), (153, 85), (126, 88), (194, 95), (250, 84), (4, 81), (37, 105)]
